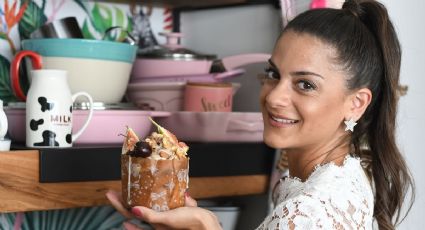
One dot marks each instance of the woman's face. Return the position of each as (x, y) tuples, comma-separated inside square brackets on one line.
[(303, 97)]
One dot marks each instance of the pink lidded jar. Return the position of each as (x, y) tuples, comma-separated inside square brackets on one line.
[(208, 97)]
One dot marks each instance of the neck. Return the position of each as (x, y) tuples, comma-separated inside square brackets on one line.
[(301, 162)]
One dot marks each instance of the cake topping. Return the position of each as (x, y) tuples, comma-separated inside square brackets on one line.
[(141, 149), (161, 145)]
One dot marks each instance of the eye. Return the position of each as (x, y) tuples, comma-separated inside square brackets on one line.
[(271, 74), (306, 85)]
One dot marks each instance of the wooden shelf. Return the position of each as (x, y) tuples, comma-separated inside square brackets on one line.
[(20, 189)]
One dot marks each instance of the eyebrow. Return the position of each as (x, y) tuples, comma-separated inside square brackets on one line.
[(296, 73)]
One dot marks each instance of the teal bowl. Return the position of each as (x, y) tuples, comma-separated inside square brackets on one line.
[(100, 68)]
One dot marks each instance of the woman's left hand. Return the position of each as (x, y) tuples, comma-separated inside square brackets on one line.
[(188, 217)]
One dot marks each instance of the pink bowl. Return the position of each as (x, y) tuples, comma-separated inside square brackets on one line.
[(215, 126), (104, 128), (162, 96)]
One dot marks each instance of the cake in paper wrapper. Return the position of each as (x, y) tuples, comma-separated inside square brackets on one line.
[(154, 171)]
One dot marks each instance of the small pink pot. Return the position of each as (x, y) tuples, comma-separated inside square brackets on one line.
[(208, 97)]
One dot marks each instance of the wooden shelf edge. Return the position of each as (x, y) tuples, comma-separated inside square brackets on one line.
[(21, 191)]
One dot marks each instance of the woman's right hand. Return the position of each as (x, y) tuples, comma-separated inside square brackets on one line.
[(188, 217)]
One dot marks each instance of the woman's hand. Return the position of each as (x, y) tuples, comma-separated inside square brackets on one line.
[(188, 217)]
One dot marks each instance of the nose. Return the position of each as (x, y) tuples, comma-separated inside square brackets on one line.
[(280, 95)]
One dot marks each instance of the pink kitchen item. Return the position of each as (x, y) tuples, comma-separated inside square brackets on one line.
[(161, 96), (211, 77), (171, 59), (104, 127), (215, 126), (208, 97)]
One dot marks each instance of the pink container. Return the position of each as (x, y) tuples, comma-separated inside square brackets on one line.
[(104, 128), (208, 97), (215, 126)]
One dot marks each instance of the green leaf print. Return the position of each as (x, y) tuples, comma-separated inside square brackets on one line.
[(32, 19), (6, 93), (84, 5), (86, 31), (102, 17)]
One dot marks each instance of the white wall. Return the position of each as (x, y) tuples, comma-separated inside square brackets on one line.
[(409, 19)]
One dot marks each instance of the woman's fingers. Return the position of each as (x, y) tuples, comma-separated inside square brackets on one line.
[(116, 200), (189, 201), (147, 214)]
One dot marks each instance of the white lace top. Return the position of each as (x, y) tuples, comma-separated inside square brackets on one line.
[(333, 197)]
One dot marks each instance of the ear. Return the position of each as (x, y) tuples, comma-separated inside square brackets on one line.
[(357, 103)]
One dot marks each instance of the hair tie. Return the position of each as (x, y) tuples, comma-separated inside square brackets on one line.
[(352, 7)]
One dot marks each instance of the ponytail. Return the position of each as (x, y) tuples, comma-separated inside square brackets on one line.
[(391, 176)]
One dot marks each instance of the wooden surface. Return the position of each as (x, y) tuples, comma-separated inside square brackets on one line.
[(21, 191)]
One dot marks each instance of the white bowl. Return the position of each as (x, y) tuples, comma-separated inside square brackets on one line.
[(100, 68)]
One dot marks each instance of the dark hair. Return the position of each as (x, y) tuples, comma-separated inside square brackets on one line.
[(368, 49)]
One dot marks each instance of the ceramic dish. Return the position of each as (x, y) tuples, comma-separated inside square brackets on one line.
[(209, 77), (104, 128), (162, 96), (215, 126), (100, 68)]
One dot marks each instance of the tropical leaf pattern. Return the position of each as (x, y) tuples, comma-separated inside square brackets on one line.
[(99, 218), (33, 18), (102, 17), (6, 93)]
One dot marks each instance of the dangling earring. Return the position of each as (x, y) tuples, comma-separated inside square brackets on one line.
[(349, 125)]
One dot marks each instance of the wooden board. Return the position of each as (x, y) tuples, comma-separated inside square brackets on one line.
[(21, 191)]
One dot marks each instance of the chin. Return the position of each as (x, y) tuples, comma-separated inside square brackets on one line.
[(273, 141)]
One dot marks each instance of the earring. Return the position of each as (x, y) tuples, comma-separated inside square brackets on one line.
[(349, 125)]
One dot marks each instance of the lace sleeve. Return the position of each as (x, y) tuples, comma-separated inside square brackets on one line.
[(302, 212), (308, 212)]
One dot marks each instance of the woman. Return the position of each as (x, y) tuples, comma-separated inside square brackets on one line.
[(329, 99)]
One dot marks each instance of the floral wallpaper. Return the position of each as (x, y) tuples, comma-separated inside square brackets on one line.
[(19, 18)]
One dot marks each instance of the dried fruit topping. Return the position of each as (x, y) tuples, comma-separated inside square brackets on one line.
[(141, 149), (172, 138)]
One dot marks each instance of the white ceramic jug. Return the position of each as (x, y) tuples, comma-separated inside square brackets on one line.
[(49, 110), (48, 104)]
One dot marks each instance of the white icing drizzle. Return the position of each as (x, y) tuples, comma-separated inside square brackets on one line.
[(129, 182)]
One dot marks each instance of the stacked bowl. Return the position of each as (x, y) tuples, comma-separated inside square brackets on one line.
[(160, 73), (100, 68)]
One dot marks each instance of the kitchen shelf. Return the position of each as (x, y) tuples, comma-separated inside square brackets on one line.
[(21, 189)]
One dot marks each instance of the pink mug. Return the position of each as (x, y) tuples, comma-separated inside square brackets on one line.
[(208, 97)]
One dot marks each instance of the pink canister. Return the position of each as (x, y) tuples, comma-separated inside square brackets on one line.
[(208, 97)]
